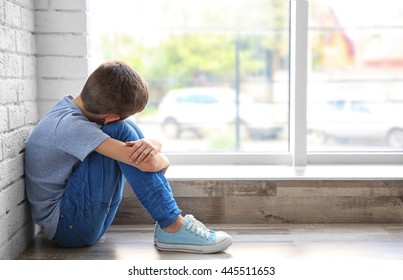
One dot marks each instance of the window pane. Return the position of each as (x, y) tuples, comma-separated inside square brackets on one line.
[(355, 77), (217, 70)]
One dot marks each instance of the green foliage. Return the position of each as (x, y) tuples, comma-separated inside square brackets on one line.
[(203, 51)]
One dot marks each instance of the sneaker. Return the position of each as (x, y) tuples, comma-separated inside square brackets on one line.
[(193, 237)]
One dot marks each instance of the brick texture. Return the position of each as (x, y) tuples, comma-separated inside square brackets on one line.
[(17, 96)]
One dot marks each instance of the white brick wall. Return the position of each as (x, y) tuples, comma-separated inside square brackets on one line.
[(43, 56), (62, 62), (17, 97)]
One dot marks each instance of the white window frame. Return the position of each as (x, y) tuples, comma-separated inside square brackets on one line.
[(297, 155)]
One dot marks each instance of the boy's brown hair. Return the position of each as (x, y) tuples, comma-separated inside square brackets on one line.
[(115, 88)]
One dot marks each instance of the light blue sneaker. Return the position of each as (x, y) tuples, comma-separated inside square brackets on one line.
[(193, 237)]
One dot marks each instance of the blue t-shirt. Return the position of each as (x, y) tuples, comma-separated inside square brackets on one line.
[(62, 139)]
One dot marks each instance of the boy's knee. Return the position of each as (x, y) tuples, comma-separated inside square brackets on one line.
[(121, 130), (135, 127)]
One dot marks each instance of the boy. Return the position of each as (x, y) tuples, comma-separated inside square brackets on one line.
[(79, 155)]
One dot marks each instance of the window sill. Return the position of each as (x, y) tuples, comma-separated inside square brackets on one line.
[(284, 172)]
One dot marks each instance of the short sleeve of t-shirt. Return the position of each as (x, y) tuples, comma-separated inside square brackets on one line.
[(77, 136)]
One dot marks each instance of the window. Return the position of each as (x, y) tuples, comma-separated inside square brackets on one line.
[(222, 81)]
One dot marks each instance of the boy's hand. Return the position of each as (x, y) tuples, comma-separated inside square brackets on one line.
[(143, 150)]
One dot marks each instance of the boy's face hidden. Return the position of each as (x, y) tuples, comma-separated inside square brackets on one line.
[(104, 119)]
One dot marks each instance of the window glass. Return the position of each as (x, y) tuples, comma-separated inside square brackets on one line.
[(355, 75), (217, 70)]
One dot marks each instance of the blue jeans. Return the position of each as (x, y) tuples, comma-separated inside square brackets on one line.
[(94, 191)]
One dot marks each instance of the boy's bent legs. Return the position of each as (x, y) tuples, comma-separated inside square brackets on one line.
[(94, 192), (151, 188)]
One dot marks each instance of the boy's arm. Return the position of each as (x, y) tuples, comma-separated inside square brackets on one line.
[(119, 150)]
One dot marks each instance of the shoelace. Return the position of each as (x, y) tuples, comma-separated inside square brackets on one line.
[(195, 221), (198, 227)]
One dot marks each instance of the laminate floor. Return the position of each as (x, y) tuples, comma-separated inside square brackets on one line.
[(274, 241)]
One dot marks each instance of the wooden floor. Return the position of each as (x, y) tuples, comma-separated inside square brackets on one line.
[(280, 242)]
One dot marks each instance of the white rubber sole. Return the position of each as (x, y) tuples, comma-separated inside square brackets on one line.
[(199, 249)]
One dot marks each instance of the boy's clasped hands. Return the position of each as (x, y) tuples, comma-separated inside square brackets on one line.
[(143, 150)]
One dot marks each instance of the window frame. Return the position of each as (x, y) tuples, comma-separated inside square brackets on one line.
[(297, 154)]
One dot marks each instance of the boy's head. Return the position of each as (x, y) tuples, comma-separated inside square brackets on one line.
[(115, 88)]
